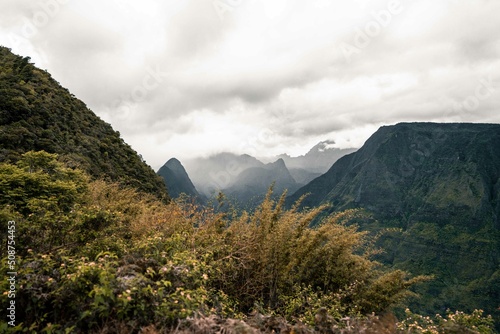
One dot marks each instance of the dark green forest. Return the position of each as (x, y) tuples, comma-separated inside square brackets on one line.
[(93, 256), (36, 113), (99, 247), (434, 189)]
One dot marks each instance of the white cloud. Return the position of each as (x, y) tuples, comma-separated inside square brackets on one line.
[(184, 79)]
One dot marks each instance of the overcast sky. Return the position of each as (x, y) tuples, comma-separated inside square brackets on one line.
[(190, 78)]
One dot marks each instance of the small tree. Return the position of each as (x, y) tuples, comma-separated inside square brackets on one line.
[(274, 256), (43, 193)]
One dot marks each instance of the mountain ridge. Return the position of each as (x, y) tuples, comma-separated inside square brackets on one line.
[(37, 113), (219, 171), (436, 187), (250, 186), (415, 151)]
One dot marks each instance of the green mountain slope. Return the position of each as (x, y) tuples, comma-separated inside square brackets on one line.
[(175, 176), (36, 113), (419, 171), (439, 184)]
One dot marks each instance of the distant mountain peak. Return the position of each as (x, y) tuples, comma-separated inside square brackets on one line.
[(177, 179), (284, 155), (323, 146), (279, 166), (173, 161), (220, 171), (252, 183), (318, 159), (279, 162)]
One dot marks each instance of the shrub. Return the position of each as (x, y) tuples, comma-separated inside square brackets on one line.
[(452, 322), (272, 256), (93, 256)]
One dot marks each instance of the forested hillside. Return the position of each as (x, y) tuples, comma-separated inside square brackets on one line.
[(94, 257), (438, 186), (36, 113), (93, 244)]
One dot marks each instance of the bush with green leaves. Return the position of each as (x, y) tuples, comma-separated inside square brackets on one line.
[(452, 322), (42, 194), (81, 294), (93, 256), (272, 256)]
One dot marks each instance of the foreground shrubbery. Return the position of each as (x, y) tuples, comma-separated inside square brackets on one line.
[(94, 257), (452, 322)]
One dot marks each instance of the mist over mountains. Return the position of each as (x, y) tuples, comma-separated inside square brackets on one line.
[(435, 186), (430, 191), (318, 159), (250, 186), (245, 179)]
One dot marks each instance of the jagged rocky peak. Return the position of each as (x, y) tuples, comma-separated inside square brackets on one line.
[(278, 165), (323, 146)]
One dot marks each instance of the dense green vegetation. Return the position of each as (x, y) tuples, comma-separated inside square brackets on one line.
[(36, 113), (99, 247), (95, 257), (437, 187)]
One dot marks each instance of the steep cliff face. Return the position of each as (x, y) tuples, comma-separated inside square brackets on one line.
[(438, 184), (418, 172), (36, 113)]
